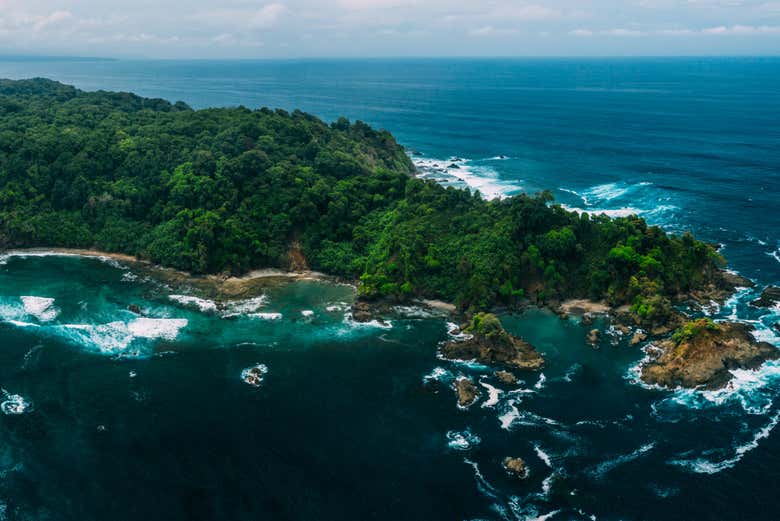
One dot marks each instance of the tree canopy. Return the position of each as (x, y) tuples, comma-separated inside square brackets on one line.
[(231, 189)]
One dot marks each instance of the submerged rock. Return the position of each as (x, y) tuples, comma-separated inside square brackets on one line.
[(487, 342), (133, 308), (516, 467), (702, 354), (467, 391), (593, 337), (777, 327), (506, 377), (769, 297)]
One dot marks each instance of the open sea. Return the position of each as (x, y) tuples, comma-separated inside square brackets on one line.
[(106, 415)]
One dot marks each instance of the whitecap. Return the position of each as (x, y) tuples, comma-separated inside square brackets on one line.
[(464, 173), (540, 383), (462, 440), (543, 456), (493, 394), (116, 337), (705, 466), (254, 375), (14, 404), (509, 416), (775, 254), (455, 333), (337, 307), (266, 316), (482, 484), (157, 328), (42, 308), (244, 307), (438, 374), (204, 305), (307, 313), (378, 324), (602, 469)]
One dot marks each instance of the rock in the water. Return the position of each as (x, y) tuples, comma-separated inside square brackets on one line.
[(506, 377), (254, 375), (777, 326), (593, 337), (703, 353), (132, 308), (467, 391), (361, 311), (587, 319), (638, 338), (769, 297), (516, 467), (488, 342)]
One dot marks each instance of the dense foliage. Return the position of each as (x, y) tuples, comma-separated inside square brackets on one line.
[(233, 189)]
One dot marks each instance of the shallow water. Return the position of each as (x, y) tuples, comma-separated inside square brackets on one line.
[(349, 421), (108, 415)]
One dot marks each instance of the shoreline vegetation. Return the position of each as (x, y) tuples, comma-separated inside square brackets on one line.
[(234, 198)]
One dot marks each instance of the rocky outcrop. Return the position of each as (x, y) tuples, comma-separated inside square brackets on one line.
[(722, 285), (593, 337), (701, 354), (769, 297), (487, 342), (506, 377), (134, 308), (362, 311), (516, 467), (466, 390), (638, 338)]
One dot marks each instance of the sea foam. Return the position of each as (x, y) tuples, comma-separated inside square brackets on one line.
[(705, 466), (465, 173)]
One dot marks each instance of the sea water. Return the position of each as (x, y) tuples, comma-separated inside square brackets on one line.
[(107, 414)]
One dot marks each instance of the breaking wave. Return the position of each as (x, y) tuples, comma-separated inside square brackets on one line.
[(465, 173), (705, 466)]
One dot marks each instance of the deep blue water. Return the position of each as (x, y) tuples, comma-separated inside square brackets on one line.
[(343, 426)]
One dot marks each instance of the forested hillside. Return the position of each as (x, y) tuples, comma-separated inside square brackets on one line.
[(220, 190)]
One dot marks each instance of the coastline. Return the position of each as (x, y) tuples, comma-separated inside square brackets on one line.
[(249, 284)]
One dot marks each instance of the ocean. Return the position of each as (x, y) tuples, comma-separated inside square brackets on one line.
[(110, 416)]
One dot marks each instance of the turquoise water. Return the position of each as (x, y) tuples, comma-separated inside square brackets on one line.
[(123, 417)]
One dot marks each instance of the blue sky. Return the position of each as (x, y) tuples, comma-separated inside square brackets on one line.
[(357, 28)]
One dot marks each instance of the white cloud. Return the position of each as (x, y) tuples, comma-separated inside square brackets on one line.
[(52, 19)]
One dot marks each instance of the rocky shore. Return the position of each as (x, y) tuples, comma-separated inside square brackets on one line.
[(702, 354)]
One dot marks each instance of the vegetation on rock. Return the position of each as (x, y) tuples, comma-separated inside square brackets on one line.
[(703, 354)]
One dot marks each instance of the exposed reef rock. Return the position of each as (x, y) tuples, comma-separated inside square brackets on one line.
[(723, 284), (516, 467), (467, 391), (362, 311), (593, 337), (506, 377), (769, 297), (487, 342), (638, 338), (702, 354)]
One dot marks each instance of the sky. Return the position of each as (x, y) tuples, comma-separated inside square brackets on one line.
[(380, 28)]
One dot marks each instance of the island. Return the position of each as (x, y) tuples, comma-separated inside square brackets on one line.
[(224, 191)]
